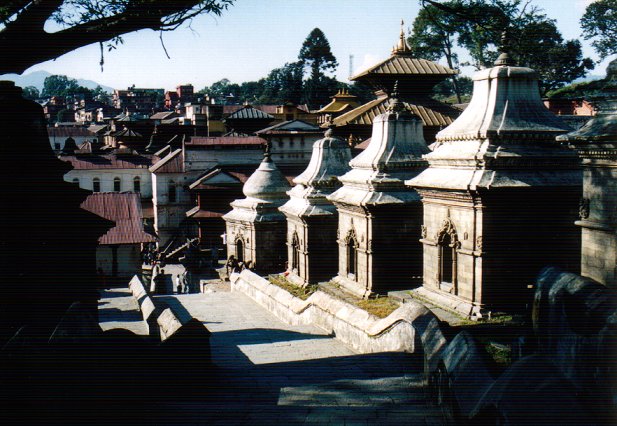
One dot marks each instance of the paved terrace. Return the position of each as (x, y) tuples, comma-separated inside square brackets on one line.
[(273, 373)]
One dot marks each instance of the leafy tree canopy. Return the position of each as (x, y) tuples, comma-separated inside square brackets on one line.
[(31, 92), (600, 23), (25, 42), (477, 26)]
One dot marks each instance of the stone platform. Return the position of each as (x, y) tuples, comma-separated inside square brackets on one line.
[(274, 373)]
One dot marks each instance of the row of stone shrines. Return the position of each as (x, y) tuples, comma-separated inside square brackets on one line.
[(473, 221)]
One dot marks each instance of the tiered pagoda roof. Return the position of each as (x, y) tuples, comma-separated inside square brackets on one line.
[(414, 75)]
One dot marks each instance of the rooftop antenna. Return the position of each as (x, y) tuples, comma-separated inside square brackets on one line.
[(350, 67)]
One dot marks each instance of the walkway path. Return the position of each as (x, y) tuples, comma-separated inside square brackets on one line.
[(274, 373)]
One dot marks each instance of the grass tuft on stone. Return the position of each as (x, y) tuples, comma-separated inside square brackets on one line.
[(300, 292), (380, 307)]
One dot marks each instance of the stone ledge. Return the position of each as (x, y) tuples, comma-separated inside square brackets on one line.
[(355, 327), (148, 309)]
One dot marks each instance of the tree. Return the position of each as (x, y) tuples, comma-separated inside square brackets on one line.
[(316, 55), (31, 92), (600, 23), (433, 37), (25, 42), (533, 39), (59, 85), (283, 85)]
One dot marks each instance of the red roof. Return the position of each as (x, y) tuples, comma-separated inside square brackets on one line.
[(123, 208), (226, 140), (108, 161)]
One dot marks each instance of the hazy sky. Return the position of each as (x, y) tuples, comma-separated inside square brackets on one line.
[(255, 36)]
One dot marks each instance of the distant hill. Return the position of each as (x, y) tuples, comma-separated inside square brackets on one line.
[(37, 79)]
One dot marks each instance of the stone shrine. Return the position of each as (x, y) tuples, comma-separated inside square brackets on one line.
[(596, 144), (500, 197), (255, 228), (379, 218), (312, 220)]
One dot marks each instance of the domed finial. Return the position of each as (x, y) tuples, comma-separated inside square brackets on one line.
[(504, 58), (401, 47)]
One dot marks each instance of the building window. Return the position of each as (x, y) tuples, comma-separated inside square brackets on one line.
[(239, 250), (96, 185), (116, 184), (76, 181), (137, 184), (172, 192), (352, 255), (295, 253)]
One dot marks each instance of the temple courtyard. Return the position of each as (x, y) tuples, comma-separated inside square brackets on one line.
[(272, 373)]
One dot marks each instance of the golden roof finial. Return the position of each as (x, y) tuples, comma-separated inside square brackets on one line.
[(401, 47)]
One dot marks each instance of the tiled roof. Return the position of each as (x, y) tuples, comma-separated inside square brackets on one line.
[(432, 112), (171, 163), (404, 64), (108, 161), (65, 132), (123, 208), (249, 113), (225, 140), (295, 126)]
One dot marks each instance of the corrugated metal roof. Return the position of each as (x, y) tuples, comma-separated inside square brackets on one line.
[(290, 126), (97, 128), (400, 64), (432, 112), (163, 115), (123, 208), (127, 133), (171, 163), (225, 140), (108, 161), (66, 132), (249, 113)]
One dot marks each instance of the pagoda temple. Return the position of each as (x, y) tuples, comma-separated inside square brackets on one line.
[(500, 197), (416, 78)]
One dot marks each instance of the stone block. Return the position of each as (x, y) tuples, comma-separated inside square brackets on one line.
[(76, 326), (575, 321), (466, 373)]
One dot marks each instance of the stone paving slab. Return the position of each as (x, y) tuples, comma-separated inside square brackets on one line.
[(273, 373), (118, 309)]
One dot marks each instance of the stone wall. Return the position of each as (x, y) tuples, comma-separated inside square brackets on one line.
[(400, 331)]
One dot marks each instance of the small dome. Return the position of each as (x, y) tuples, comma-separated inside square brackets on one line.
[(267, 182)]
